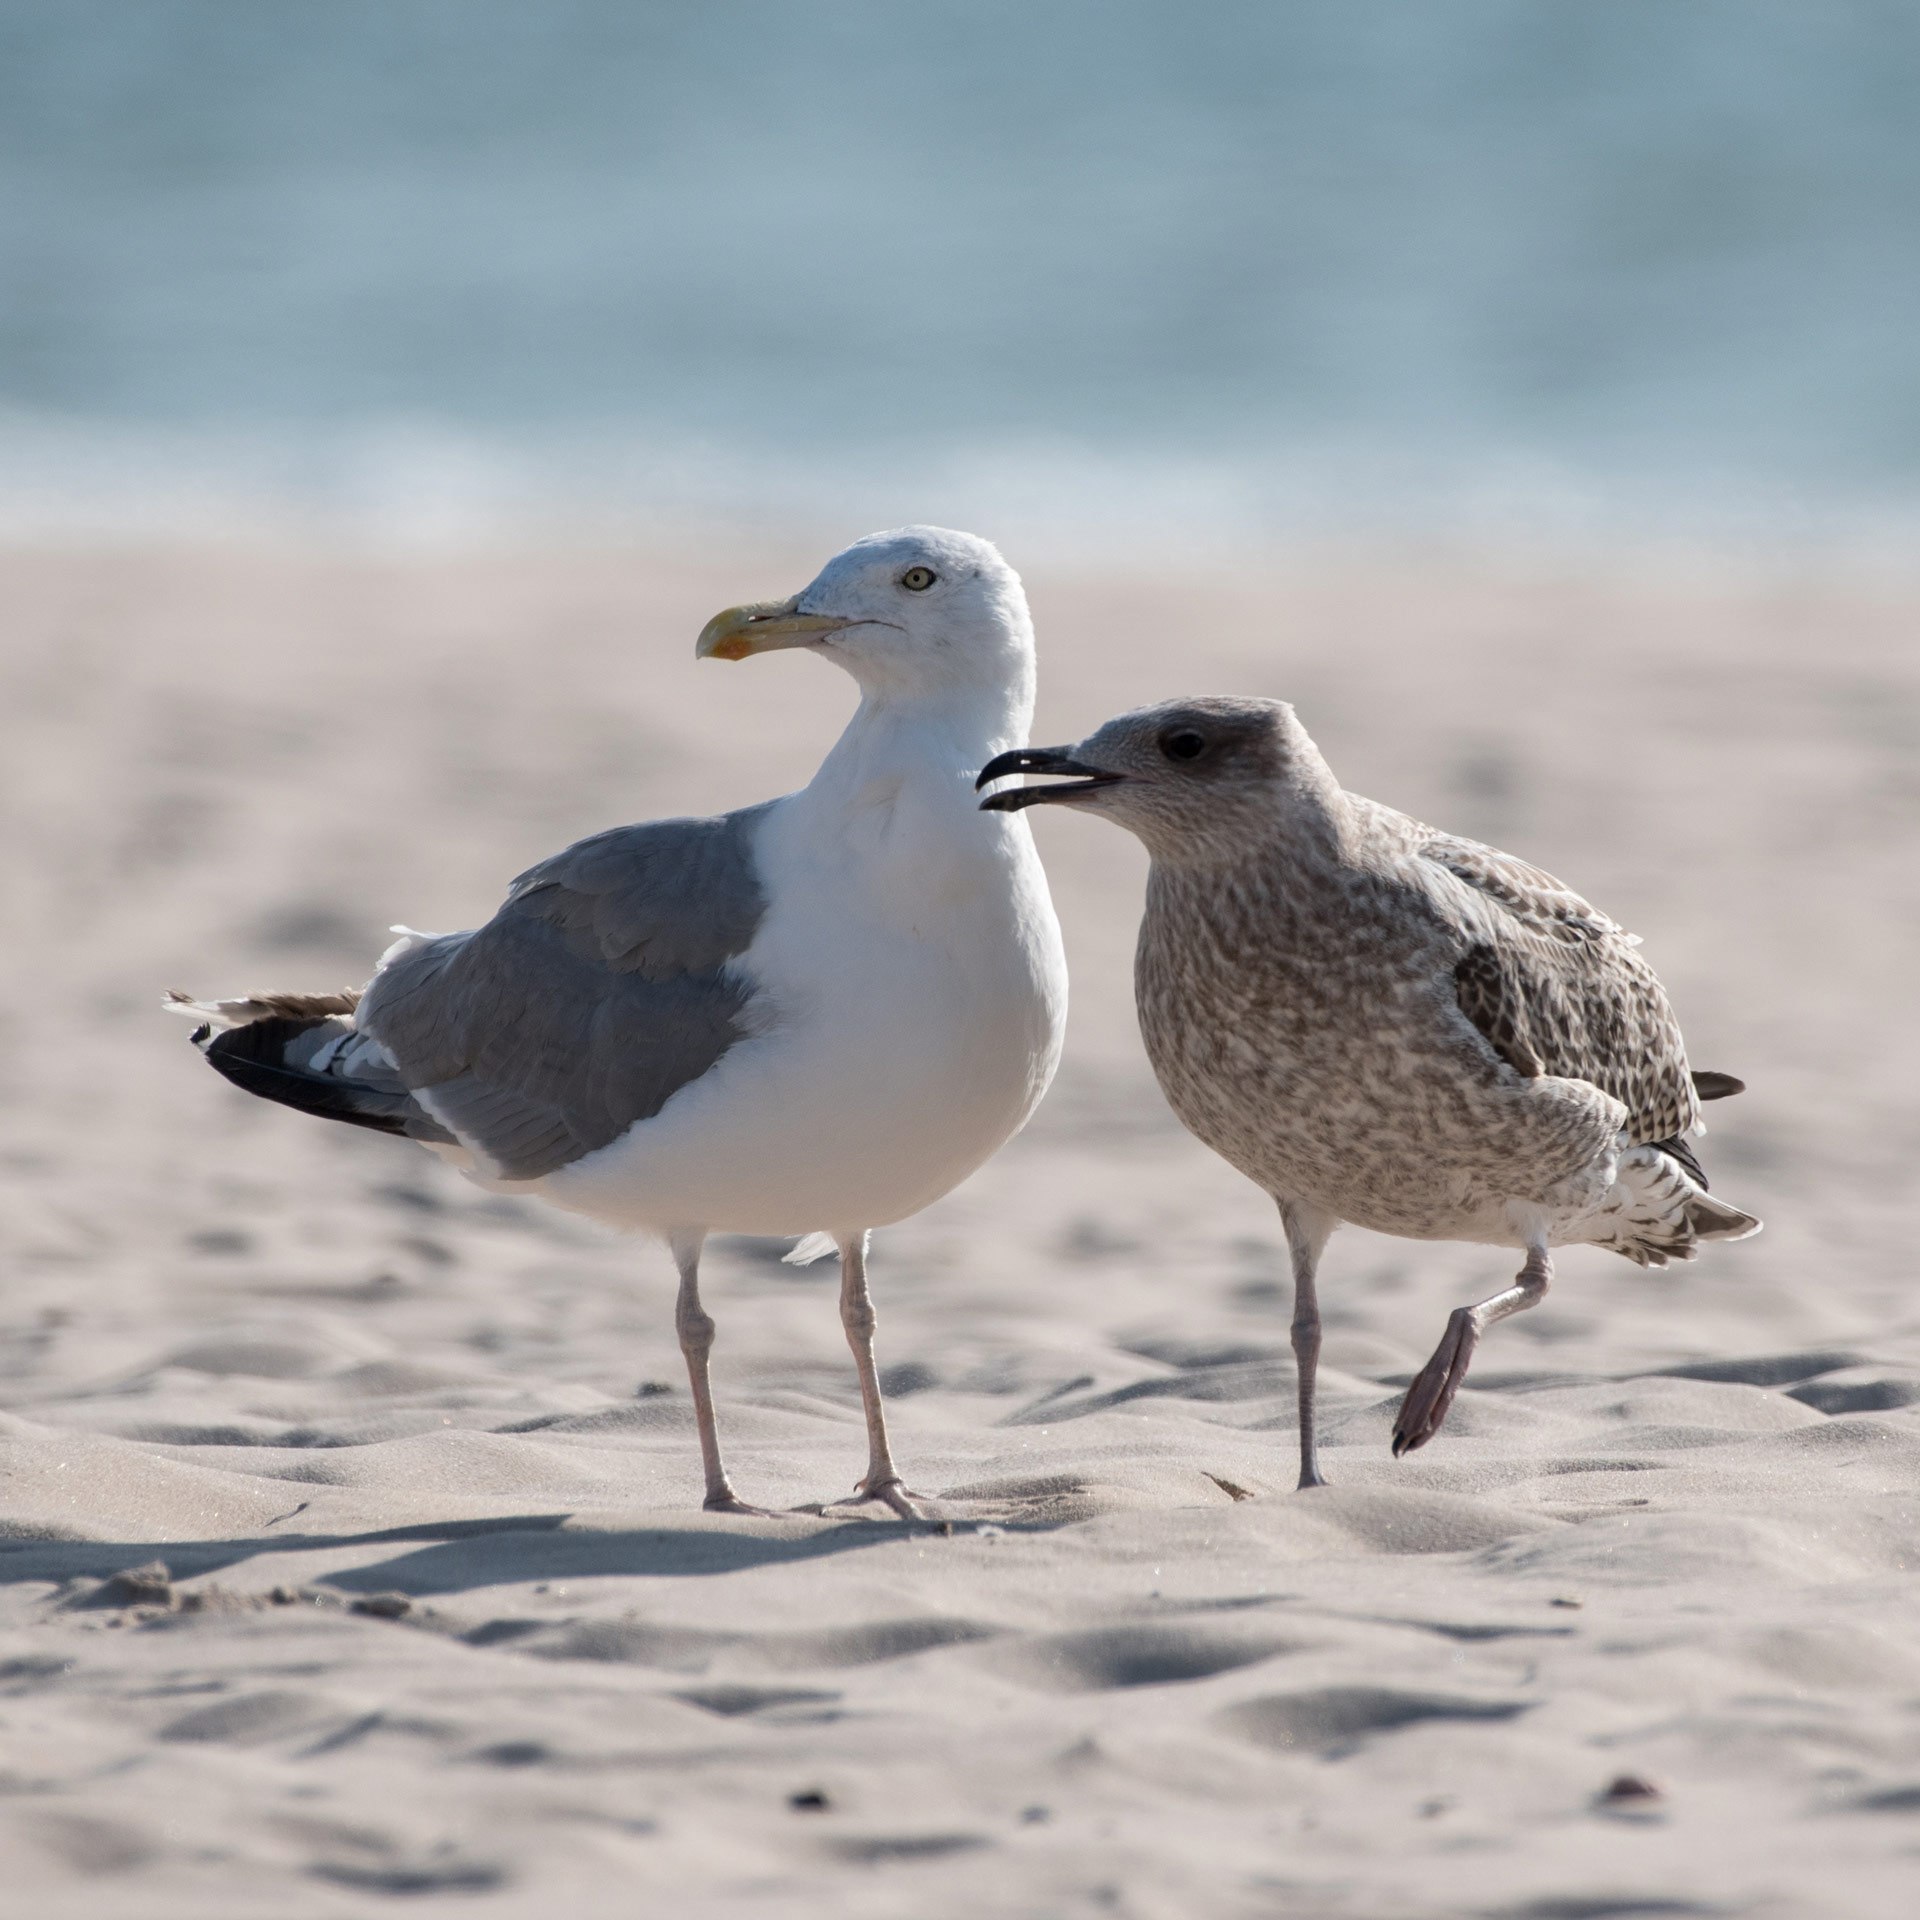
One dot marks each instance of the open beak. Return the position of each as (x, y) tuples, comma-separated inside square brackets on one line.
[(1054, 760), (763, 627)]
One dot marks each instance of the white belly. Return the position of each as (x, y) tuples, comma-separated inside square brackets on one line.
[(910, 1017)]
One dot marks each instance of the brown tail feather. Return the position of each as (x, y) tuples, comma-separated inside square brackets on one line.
[(1658, 1213), (1713, 1219), (267, 1006)]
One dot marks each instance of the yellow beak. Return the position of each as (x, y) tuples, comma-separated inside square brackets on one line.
[(763, 627)]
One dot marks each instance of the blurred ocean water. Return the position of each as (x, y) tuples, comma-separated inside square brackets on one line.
[(1243, 264)]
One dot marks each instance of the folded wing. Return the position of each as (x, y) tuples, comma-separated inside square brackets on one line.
[(600, 989), (1556, 987)]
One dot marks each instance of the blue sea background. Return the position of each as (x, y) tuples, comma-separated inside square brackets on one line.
[(1120, 270)]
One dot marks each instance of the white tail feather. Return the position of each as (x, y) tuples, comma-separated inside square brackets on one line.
[(410, 937), (816, 1246), (1656, 1213)]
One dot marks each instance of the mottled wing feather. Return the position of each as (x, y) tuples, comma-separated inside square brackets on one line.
[(1485, 991), (1531, 894), (597, 992), (1557, 987)]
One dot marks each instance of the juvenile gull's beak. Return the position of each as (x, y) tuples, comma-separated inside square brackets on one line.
[(762, 627), (1039, 760)]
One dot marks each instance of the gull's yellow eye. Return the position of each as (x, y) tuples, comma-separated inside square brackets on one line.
[(918, 579)]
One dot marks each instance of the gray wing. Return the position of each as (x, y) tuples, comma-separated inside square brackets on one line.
[(1558, 988), (595, 994)]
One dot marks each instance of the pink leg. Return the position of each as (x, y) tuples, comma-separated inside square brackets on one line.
[(1434, 1386), (882, 1480), (695, 1327)]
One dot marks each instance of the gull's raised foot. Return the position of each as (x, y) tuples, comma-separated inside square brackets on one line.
[(892, 1491), (1434, 1386)]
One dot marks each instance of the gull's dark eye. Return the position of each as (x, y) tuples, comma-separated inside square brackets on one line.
[(918, 579), (1183, 744)]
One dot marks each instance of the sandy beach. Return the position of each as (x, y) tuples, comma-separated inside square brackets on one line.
[(350, 1545)]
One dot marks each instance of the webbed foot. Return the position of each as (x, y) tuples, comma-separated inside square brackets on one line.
[(1431, 1394)]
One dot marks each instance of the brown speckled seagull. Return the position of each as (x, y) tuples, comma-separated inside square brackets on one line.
[(1388, 1025)]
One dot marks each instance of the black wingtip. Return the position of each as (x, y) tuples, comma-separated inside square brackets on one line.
[(1679, 1150), (252, 1057), (1717, 1086)]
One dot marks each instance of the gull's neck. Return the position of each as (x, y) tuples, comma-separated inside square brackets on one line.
[(1303, 836), (936, 733)]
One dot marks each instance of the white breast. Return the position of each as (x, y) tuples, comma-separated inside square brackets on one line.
[(909, 1012)]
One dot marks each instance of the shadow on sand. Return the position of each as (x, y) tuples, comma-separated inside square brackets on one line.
[(457, 1556)]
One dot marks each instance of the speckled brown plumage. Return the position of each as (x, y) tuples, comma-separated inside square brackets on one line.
[(1387, 1025), (1559, 988)]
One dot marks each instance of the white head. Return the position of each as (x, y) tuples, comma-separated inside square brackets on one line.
[(917, 614)]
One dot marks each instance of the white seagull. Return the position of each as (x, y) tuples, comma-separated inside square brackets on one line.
[(811, 1017)]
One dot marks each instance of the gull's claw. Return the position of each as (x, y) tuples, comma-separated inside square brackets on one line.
[(894, 1493), (728, 1501), (1434, 1386)]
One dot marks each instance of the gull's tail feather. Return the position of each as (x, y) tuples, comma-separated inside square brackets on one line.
[(223, 1014), (1659, 1211), (302, 1051), (804, 1252), (1713, 1219)]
